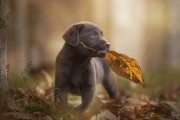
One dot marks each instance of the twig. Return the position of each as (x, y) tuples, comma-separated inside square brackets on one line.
[(88, 47)]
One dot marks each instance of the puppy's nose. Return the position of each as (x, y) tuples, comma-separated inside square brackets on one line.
[(107, 45)]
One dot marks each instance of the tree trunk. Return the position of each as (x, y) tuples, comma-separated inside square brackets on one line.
[(174, 41), (4, 9)]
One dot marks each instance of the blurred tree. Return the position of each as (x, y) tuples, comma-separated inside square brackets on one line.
[(174, 27), (18, 35), (4, 9), (157, 35)]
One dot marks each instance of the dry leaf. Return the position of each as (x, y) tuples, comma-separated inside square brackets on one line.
[(125, 66), (12, 104), (20, 115)]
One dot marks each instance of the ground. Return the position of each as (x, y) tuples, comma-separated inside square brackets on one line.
[(159, 100)]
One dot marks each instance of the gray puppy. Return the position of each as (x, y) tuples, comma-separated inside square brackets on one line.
[(80, 65)]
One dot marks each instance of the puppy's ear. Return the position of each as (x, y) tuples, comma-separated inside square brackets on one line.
[(71, 36)]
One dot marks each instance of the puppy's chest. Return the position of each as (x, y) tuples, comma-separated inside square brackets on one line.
[(82, 74), (87, 73)]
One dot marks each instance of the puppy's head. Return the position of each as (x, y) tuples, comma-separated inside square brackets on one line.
[(87, 39)]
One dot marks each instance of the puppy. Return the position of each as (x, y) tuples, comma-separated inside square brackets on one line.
[(80, 65)]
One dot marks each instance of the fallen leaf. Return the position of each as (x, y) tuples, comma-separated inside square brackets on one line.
[(47, 118), (12, 104), (125, 66), (107, 115), (20, 115)]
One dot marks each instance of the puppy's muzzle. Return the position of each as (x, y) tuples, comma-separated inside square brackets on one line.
[(101, 50), (105, 45)]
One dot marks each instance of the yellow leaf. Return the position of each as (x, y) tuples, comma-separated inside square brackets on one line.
[(125, 66)]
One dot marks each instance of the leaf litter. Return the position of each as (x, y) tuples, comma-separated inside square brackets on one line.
[(27, 104)]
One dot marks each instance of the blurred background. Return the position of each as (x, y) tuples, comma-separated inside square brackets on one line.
[(147, 30)]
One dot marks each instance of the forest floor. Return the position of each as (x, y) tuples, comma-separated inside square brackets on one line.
[(159, 100)]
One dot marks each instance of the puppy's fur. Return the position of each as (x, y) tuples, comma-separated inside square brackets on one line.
[(80, 65)]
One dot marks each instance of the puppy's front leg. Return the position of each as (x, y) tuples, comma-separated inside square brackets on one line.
[(61, 98), (87, 95)]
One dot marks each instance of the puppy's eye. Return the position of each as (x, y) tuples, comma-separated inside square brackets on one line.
[(93, 35)]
